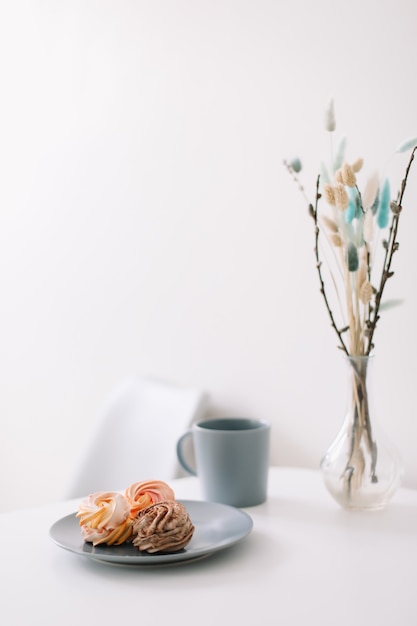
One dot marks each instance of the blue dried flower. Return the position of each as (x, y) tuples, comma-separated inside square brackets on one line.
[(407, 145), (384, 205), (354, 208), (353, 259), (340, 154), (296, 165)]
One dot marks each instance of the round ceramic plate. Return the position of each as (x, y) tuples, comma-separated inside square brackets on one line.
[(217, 526)]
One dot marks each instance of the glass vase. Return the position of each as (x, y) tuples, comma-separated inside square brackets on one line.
[(362, 468)]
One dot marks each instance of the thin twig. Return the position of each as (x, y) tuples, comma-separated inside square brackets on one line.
[(314, 213), (390, 247)]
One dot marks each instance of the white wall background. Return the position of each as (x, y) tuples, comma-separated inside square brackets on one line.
[(147, 224)]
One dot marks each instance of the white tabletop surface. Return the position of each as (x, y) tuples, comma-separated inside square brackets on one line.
[(306, 562)]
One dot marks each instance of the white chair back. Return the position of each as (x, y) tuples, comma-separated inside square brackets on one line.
[(135, 436)]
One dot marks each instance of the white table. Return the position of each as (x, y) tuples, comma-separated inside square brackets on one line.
[(306, 562)]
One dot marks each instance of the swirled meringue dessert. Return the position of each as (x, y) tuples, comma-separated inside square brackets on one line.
[(162, 527), (140, 495), (104, 517)]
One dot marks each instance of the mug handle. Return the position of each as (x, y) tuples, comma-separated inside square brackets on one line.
[(180, 455)]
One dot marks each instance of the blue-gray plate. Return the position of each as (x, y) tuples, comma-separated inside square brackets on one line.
[(217, 526)]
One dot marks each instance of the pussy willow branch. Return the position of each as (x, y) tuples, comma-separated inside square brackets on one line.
[(314, 214), (390, 247)]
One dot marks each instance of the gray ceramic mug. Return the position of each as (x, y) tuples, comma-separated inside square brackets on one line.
[(232, 459)]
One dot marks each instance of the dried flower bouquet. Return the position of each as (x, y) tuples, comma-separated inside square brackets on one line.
[(356, 224)]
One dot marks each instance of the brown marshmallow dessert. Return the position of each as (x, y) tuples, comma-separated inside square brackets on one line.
[(162, 527)]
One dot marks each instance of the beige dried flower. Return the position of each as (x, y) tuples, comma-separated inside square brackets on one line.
[(329, 117), (357, 165), (363, 269), (336, 240), (330, 224), (339, 176), (370, 192), (365, 292), (341, 197), (328, 192), (348, 175)]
